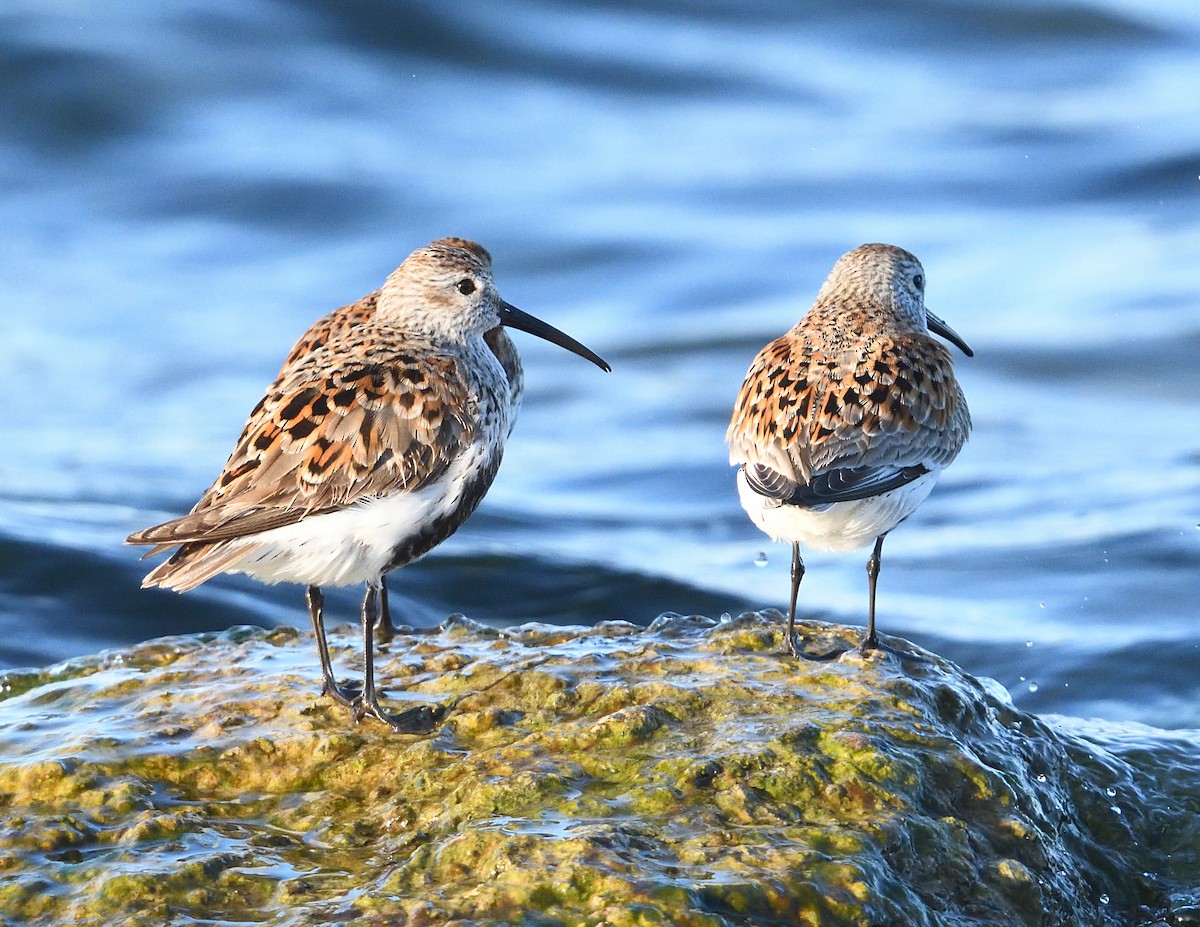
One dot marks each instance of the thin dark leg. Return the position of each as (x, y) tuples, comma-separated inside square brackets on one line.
[(316, 611), (793, 648), (384, 629), (418, 720), (797, 575), (871, 640)]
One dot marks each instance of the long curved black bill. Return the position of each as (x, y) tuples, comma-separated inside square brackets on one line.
[(512, 317), (938, 327)]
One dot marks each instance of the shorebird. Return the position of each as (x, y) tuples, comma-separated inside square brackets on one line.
[(379, 437), (355, 314), (843, 425)]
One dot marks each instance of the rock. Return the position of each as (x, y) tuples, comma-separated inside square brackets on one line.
[(683, 774)]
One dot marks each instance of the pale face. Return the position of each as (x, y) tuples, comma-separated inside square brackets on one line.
[(908, 288), (882, 276), (444, 290), (891, 279)]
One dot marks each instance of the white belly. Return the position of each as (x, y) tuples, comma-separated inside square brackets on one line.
[(840, 526), (355, 545)]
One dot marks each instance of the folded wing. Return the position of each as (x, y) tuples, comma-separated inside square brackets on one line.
[(325, 438)]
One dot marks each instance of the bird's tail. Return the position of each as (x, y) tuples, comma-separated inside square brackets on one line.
[(195, 563)]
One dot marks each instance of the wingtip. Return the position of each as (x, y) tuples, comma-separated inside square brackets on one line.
[(143, 537)]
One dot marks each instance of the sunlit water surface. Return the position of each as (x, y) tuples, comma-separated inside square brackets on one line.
[(185, 186)]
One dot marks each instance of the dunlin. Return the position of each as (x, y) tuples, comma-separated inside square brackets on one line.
[(843, 425), (353, 315), (379, 437)]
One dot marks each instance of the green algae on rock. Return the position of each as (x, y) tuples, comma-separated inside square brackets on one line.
[(682, 774)]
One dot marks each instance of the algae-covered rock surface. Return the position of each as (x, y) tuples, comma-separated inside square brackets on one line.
[(687, 774)]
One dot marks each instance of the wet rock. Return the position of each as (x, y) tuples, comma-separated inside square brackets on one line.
[(683, 774)]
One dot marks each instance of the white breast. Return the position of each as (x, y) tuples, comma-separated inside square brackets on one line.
[(840, 526)]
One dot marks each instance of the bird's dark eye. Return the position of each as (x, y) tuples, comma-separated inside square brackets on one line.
[(466, 286), (918, 281)]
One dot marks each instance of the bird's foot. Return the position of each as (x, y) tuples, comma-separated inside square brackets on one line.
[(421, 719), (872, 643), (817, 657), (869, 644), (793, 649)]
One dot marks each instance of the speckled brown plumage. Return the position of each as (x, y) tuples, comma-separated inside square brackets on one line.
[(379, 437), (843, 424), (351, 316), (330, 432), (816, 399), (331, 326)]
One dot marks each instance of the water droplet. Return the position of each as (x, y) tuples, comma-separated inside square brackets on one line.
[(1033, 687), (1041, 777), (1022, 679), (1104, 899), (1115, 809), (1110, 792), (761, 559), (1041, 604), (1029, 643), (725, 617)]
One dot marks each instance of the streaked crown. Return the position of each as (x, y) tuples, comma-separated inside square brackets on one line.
[(880, 277), (444, 289)]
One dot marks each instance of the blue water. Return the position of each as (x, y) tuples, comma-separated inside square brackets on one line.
[(184, 187)]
